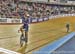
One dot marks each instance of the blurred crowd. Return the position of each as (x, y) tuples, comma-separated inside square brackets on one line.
[(11, 9)]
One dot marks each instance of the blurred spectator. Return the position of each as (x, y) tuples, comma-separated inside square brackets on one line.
[(11, 8)]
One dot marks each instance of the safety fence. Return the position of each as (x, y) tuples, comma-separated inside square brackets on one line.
[(33, 20)]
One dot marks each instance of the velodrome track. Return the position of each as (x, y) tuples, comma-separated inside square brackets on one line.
[(40, 34)]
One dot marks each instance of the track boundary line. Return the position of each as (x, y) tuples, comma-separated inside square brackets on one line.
[(2, 50)]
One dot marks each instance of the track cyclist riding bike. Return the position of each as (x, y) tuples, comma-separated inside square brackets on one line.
[(24, 29)]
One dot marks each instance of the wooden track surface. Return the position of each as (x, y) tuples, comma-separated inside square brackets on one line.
[(40, 34)]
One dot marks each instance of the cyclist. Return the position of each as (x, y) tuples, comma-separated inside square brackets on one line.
[(24, 28)]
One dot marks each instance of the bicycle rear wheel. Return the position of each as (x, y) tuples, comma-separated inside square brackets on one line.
[(22, 40)]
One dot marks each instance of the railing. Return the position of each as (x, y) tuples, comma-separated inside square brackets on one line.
[(33, 20)]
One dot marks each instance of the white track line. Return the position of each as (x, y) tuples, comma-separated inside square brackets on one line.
[(7, 51)]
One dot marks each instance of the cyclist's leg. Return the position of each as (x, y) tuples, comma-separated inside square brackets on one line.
[(26, 36), (21, 40), (22, 36)]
